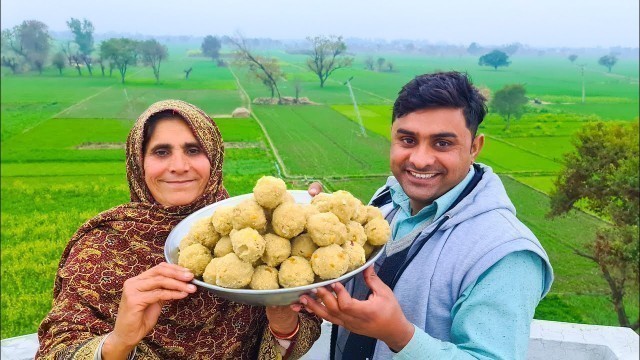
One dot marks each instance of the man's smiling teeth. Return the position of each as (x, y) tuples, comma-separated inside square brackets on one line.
[(421, 176)]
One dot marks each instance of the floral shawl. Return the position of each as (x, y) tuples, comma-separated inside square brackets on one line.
[(129, 239)]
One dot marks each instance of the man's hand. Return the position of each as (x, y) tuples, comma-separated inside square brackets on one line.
[(315, 188), (141, 303), (380, 316)]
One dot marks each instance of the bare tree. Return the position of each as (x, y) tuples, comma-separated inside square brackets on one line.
[(187, 72), (327, 56), (267, 70)]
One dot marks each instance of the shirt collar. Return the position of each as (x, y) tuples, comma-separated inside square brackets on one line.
[(438, 206)]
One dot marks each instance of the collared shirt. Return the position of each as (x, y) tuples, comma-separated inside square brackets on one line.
[(485, 323), (404, 223)]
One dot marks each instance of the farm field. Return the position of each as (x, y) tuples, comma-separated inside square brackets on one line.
[(63, 157)]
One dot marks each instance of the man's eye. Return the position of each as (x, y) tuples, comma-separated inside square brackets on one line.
[(408, 141), (442, 143)]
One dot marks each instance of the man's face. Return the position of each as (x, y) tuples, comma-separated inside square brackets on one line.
[(431, 152)]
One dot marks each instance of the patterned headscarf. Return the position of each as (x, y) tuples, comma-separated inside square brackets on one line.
[(207, 133), (129, 239)]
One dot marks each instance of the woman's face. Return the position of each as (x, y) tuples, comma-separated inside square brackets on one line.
[(176, 169)]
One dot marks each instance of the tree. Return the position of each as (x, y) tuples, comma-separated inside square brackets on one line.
[(573, 58), (10, 58), (28, 43), (390, 66), (608, 61), (474, 49), (73, 56), (187, 72), (59, 60), (83, 33), (495, 59), (121, 52), (368, 63), (267, 70), (509, 102), (602, 174), (328, 55), (211, 47), (380, 63), (152, 53)]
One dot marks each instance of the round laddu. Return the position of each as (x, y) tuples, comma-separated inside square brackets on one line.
[(322, 202), (264, 278), (222, 219), (378, 231), (368, 249), (186, 241), (203, 232), (295, 271), (232, 272), (277, 250), (248, 244), (355, 232), (343, 204), (288, 198), (223, 247), (325, 229), (209, 275), (330, 262), (195, 257), (309, 210), (356, 254), (360, 215), (269, 191), (373, 213), (249, 214), (288, 220), (303, 245)]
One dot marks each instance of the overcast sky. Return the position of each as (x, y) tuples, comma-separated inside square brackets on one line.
[(571, 23)]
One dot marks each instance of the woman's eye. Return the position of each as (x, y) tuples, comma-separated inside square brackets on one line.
[(161, 152), (193, 151)]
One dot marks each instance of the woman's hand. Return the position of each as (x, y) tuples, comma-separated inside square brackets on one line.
[(142, 299), (282, 319), (380, 316)]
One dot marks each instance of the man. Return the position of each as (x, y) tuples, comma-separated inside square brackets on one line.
[(461, 276)]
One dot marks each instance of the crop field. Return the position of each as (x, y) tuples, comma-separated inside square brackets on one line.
[(63, 153)]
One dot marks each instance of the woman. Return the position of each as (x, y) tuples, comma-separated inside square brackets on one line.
[(114, 298)]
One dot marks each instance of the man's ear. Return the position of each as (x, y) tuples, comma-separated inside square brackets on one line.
[(476, 146)]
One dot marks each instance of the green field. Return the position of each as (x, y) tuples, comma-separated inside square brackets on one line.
[(56, 175)]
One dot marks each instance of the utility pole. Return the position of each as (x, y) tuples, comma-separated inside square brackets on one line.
[(355, 107), (582, 66)]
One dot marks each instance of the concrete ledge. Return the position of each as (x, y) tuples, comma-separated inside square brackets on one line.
[(549, 340)]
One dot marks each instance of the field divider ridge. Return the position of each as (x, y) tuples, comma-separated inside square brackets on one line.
[(523, 149), (354, 87), (279, 161)]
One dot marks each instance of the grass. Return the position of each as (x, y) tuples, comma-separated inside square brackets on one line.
[(318, 141), (49, 187)]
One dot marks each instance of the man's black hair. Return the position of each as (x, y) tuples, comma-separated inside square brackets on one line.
[(442, 90)]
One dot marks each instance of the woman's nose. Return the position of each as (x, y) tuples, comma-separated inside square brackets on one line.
[(179, 163)]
